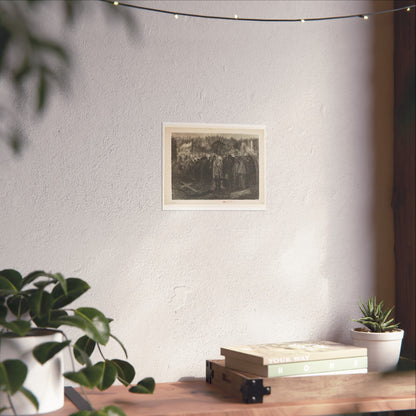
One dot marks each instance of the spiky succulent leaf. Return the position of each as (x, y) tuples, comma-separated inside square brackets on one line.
[(375, 318)]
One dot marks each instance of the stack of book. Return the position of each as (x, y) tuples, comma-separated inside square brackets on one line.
[(296, 359)]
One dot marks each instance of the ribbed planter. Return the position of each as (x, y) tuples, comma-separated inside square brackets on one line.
[(44, 381), (383, 348)]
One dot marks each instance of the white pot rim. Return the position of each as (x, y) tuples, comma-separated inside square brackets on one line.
[(34, 332), (396, 334)]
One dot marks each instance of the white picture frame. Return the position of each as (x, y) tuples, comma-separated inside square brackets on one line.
[(213, 166)]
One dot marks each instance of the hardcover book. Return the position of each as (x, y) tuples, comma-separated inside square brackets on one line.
[(345, 365), (292, 352)]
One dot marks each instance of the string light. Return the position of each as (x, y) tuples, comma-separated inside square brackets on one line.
[(249, 19)]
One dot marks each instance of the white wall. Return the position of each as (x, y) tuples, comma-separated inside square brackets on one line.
[(85, 196)]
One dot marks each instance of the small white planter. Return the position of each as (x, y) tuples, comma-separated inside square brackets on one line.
[(44, 381), (383, 348)]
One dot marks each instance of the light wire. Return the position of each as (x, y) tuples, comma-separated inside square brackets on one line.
[(249, 19)]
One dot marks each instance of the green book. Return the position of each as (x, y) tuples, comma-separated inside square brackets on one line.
[(338, 365)]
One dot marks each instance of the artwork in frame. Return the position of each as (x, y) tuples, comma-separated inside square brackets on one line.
[(213, 167)]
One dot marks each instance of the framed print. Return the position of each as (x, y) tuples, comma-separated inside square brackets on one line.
[(213, 167)]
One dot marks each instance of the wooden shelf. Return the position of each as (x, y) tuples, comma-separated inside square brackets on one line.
[(296, 396)]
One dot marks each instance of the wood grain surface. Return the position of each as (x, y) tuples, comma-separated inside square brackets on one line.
[(301, 396)]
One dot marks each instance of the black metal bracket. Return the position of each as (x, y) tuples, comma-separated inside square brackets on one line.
[(209, 372), (253, 391)]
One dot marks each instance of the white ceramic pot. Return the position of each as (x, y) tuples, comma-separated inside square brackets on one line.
[(44, 381), (383, 348)]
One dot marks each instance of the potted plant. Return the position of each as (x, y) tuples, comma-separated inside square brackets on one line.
[(34, 310), (380, 335)]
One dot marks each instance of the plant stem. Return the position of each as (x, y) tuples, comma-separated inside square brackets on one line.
[(11, 404), (101, 353), (73, 369), (19, 310)]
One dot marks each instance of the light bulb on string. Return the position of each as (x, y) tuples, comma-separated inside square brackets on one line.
[(249, 19), (176, 17)]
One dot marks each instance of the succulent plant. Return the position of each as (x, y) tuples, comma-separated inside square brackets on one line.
[(375, 318)]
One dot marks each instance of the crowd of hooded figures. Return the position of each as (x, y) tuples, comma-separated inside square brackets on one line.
[(227, 173)]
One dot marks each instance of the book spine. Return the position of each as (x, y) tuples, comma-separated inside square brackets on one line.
[(313, 367), (314, 356), (309, 367), (333, 373), (262, 358)]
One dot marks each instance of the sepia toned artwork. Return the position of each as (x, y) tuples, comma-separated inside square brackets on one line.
[(209, 166)]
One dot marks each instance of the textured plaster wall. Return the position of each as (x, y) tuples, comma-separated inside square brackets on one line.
[(85, 196)]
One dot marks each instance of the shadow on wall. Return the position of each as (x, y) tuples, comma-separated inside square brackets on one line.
[(362, 159)]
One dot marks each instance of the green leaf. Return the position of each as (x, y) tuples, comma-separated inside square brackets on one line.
[(110, 411), (88, 376), (18, 305), (108, 374), (45, 351), (145, 386), (40, 304), (75, 288), (83, 349), (98, 328), (62, 281), (89, 320), (54, 277), (6, 287), (13, 276), (55, 316), (43, 284), (83, 413), (31, 277), (387, 314), (82, 357), (3, 312), (12, 375), (105, 411), (18, 327), (125, 371), (75, 321), (30, 396)]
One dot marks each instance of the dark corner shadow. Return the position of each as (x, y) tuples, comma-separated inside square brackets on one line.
[(382, 142)]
